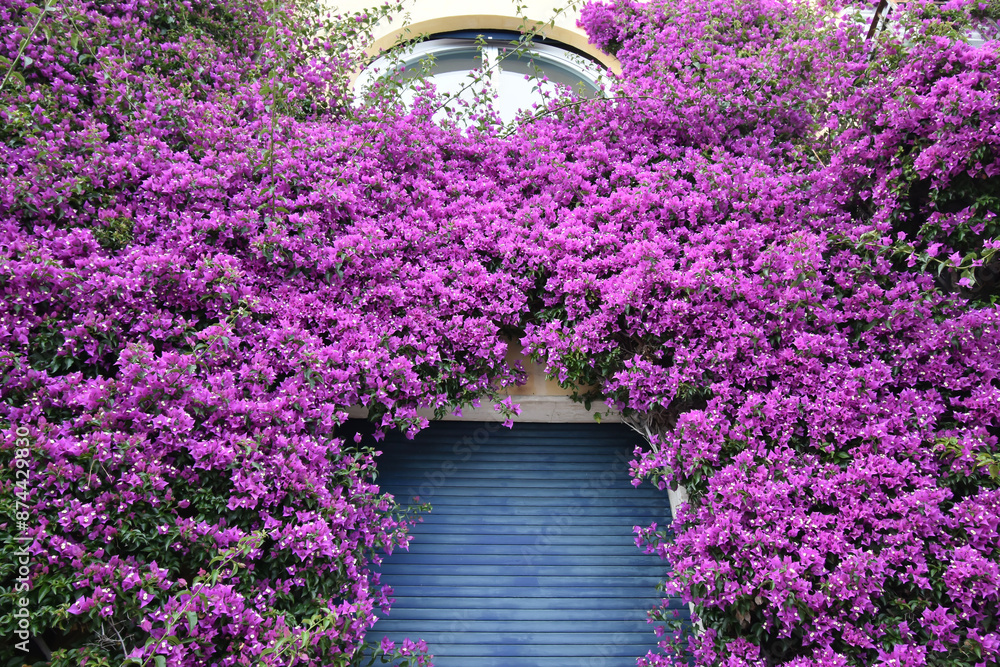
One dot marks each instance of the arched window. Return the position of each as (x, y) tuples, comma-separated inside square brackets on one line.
[(520, 74)]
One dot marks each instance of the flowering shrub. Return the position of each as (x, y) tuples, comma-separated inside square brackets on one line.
[(767, 313), (189, 308), (772, 245)]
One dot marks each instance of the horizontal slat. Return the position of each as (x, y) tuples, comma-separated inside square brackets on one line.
[(578, 526), (488, 472), (651, 512), (616, 462), (512, 606), (470, 541), (427, 473), (498, 521), (543, 570), (561, 646), (449, 615), (576, 496), (459, 454), (427, 626), (517, 483), (420, 547), (587, 466), (539, 459), (515, 487), (505, 582), (484, 588), (535, 661), (442, 500), (461, 448), (448, 557), (538, 637)]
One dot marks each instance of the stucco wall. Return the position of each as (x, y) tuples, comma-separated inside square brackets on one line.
[(541, 400)]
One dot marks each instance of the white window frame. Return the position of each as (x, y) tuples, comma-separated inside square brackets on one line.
[(589, 72)]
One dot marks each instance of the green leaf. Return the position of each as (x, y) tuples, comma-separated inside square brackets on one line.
[(34, 11), (192, 620), (17, 76), (160, 661)]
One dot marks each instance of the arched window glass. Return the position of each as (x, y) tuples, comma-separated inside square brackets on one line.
[(464, 63)]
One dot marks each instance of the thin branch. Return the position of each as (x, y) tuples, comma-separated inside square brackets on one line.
[(100, 64), (24, 44)]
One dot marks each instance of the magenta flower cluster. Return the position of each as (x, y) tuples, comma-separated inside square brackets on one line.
[(771, 243), (759, 274)]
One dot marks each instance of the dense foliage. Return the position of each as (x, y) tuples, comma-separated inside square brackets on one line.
[(772, 244)]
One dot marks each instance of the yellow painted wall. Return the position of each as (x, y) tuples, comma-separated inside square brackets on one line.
[(537, 384)]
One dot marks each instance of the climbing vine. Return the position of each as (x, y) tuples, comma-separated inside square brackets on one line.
[(771, 243)]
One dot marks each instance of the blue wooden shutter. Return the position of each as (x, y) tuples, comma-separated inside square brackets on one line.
[(528, 556)]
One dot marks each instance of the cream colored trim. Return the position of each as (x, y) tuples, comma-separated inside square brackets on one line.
[(552, 409), (677, 498), (493, 22)]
